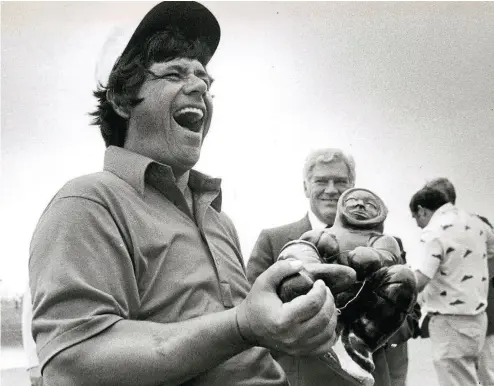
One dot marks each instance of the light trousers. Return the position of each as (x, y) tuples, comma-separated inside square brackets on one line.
[(457, 341), (486, 362)]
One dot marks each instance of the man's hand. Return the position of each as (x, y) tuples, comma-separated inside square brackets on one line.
[(304, 326), (337, 278)]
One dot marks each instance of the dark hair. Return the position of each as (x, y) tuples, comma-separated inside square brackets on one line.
[(428, 198), (445, 186), (129, 73)]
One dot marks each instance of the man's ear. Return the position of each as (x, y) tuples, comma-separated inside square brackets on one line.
[(120, 109), (306, 189)]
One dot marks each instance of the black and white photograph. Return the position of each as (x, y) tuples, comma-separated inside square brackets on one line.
[(247, 193)]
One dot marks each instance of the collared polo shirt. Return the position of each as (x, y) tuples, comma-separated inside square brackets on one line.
[(123, 244), (455, 247)]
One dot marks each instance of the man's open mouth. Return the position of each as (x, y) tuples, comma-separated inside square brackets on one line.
[(190, 118)]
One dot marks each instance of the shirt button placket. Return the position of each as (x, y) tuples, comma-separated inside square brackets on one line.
[(225, 289)]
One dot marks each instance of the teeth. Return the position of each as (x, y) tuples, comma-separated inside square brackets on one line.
[(192, 110)]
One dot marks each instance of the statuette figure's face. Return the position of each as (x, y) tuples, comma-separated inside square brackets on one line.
[(361, 205)]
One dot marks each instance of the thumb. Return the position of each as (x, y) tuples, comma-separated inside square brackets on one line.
[(337, 277), (278, 271)]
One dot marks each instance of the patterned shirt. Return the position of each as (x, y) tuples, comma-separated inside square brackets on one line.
[(456, 246)]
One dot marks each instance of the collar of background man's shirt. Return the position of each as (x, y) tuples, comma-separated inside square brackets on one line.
[(315, 223), (448, 207)]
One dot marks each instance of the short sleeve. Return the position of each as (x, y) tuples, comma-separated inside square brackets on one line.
[(490, 249), (81, 275), (431, 254), (27, 337), (489, 241)]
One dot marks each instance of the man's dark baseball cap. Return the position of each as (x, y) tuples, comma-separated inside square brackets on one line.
[(193, 19)]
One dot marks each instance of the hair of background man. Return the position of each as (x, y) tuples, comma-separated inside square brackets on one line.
[(129, 74), (326, 156), (428, 198), (445, 186)]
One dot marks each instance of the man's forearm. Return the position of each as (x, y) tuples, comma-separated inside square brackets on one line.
[(146, 353), (422, 280)]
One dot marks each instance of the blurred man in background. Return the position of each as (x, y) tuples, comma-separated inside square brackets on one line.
[(486, 362), (452, 272)]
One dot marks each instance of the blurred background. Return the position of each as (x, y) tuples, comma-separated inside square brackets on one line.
[(406, 87)]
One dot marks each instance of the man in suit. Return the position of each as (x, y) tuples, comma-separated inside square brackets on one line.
[(327, 174)]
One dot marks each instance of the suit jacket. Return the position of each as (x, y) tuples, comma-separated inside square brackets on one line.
[(301, 371), (269, 244)]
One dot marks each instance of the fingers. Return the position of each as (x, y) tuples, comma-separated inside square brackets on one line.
[(324, 319), (306, 306), (294, 286), (337, 277), (279, 270), (317, 335)]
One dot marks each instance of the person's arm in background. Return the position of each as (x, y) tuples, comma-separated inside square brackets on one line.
[(428, 261), (422, 280), (261, 257), (28, 342), (490, 251), (82, 310), (489, 233)]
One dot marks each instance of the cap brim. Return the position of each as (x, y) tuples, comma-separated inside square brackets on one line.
[(191, 18)]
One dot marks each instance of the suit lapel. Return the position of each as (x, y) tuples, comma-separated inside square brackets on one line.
[(300, 228)]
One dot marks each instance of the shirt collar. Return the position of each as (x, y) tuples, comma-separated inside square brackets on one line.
[(448, 207), (135, 169), (315, 223)]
